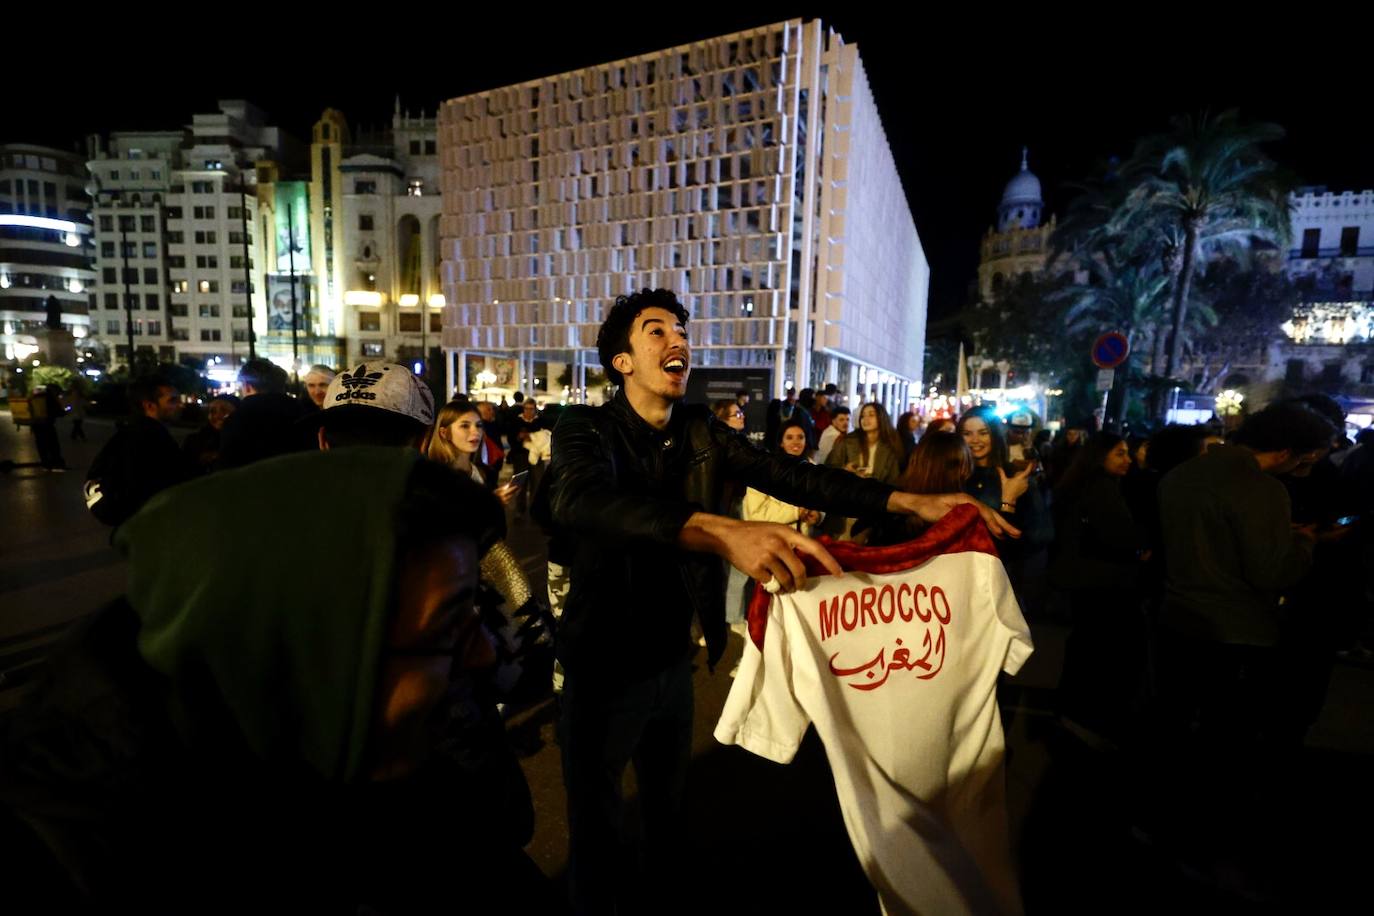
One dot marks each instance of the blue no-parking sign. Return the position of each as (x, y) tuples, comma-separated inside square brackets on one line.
[(1110, 350)]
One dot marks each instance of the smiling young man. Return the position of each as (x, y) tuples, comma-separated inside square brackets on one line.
[(637, 487)]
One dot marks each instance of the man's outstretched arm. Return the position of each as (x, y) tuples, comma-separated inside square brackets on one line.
[(801, 483), (761, 550), (932, 507)]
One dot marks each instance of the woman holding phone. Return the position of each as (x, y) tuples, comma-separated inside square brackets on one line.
[(456, 441), (514, 617), (871, 449)]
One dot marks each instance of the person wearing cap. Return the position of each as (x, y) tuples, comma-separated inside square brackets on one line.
[(267, 422), (374, 404), (637, 488), (1020, 433), (317, 383), (383, 404), (234, 735)]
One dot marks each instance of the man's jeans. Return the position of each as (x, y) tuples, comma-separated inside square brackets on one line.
[(601, 729)]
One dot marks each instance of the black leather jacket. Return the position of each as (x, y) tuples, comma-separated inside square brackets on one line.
[(620, 492)]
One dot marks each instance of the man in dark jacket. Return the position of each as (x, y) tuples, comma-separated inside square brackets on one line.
[(45, 409), (142, 459), (638, 486), (265, 425), (1231, 551)]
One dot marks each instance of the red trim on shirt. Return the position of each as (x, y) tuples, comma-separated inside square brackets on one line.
[(960, 531)]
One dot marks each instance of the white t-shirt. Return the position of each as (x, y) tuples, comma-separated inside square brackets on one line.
[(829, 436), (897, 667)]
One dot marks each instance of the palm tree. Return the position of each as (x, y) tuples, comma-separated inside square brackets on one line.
[(1122, 294), (1205, 185), (1101, 233)]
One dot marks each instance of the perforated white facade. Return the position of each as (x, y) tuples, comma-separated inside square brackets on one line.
[(748, 173)]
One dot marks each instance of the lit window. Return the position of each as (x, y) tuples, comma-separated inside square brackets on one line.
[(204, 286)]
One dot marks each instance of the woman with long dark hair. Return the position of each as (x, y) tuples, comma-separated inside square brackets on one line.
[(940, 463), (908, 424), (872, 449), (760, 507), (990, 483), (1097, 561), (1018, 494)]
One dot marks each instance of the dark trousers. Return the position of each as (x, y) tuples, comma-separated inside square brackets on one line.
[(1103, 679), (78, 429), (49, 448), (601, 730), (1224, 746), (525, 498), (520, 463)]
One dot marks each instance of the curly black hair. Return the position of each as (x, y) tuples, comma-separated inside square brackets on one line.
[(1289, 425), (614, 336)]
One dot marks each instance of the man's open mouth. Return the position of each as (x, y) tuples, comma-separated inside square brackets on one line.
[(675, 365)]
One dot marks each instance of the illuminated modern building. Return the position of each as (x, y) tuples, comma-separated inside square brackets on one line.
[(749, 173), (45, 247), (178, 237)]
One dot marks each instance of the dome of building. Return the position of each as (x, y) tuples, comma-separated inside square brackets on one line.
[(1021, 201), (1024, 188)]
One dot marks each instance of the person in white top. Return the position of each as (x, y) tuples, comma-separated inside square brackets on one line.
[(896, 662), (837, 430)]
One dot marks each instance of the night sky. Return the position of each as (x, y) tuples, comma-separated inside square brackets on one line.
[(958, 99)]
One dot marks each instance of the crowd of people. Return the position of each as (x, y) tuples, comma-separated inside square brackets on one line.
[(330, 727)]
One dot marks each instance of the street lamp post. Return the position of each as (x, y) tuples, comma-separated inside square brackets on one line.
[(291, 265), (247, 267), (128, 292)]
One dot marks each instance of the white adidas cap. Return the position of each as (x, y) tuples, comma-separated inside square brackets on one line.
[(382, 385)]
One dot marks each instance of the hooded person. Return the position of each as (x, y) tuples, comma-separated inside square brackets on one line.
[(385, 404), (232, 733)]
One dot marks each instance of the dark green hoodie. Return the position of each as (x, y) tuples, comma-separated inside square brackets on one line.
[(267, 589), (201, 745)]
